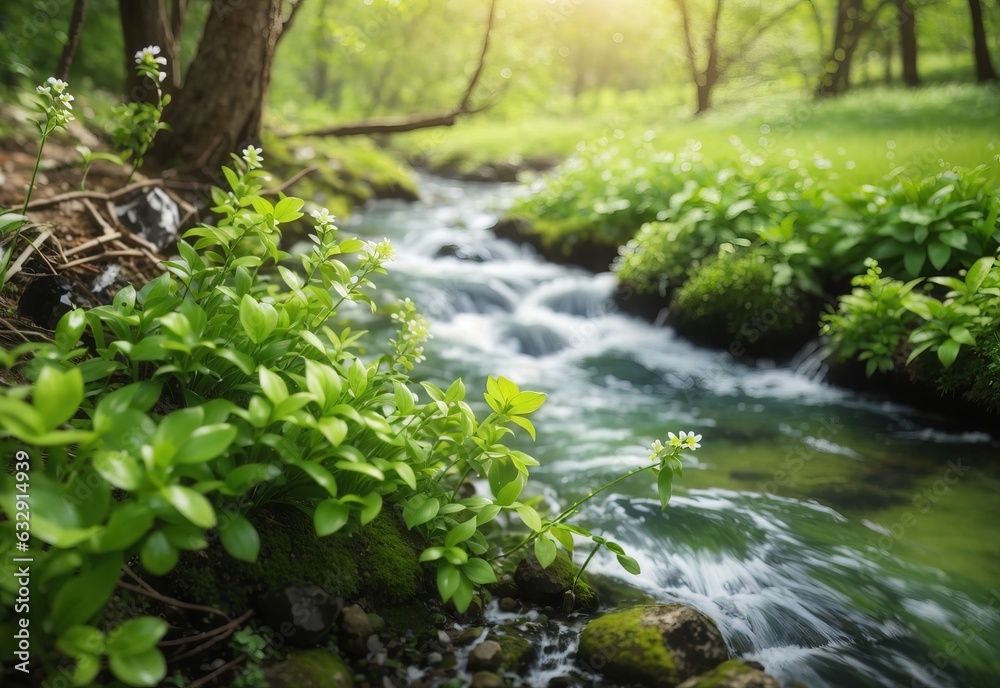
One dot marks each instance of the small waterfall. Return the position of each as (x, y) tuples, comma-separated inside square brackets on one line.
[(810, 361)]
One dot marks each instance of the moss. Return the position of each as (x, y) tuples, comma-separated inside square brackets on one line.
[(734, 672), (518, 653), (316, 668), (390, 565), (565, 570), (623, 647), (731, 301)]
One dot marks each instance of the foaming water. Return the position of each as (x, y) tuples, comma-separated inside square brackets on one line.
[(826, 533)]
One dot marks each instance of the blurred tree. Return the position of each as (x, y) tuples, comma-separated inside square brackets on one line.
[(852, 21), (980, 48), (906, 17), (73, 39), (709, 67)]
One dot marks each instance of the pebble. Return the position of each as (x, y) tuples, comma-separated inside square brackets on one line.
[(509, 604), (486, 655), (486, 679)]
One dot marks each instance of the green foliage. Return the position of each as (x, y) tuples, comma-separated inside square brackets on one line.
[(222, 386), (254, 645), (872, 322), (729, 293), (936, 225)]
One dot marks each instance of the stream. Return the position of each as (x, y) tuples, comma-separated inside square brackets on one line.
[(837, 539)]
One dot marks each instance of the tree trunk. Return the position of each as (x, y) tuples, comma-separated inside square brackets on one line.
[(73, 39), (852, 21), (144, 23), (907, 19), (981, 49), (220, 107)]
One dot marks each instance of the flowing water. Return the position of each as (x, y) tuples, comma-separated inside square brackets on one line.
[(838, 540)]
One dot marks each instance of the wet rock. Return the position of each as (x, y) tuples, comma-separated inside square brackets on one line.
[(470, 252), (152, 215), (45, 300), (486, 679), (378, 623), (466, 636), (509, 604), (733, 674), (562, 682), (355, 628), (318, 668), (546, 587), (303, 614), (110, 280), (487, 655), (658, 645), (517, 652), (435, 658)]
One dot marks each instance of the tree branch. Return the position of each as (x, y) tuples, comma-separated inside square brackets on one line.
[(686, 30), (395, 124), (73, 40)]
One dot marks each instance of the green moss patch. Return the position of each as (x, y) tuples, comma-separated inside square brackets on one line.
[(623, 647)]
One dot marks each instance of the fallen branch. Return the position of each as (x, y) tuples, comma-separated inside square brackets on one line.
[(92, 243), (99, 256), (31, 248), (143, 588), (93, 195), (291, 180), (231, 664)]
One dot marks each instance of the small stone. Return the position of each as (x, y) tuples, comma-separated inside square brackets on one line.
[(374, 644), (308, 610), (378, 623), (561, 682), (486, 679), (487, 655), (466, 636), (444, 638), (509, 604), (355, 628), (434, 658)]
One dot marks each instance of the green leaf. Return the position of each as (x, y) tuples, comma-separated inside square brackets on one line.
[(455, 392), (962, 335), (510, 492), (258, 319), (913, 260), (448, 580), (456, 556), (403, 398), (948, 352), (629, 564), (272, 385), (192, 505), (70, 328), (664, 486), (431, 554), (86, 670), (939, 254), (127, 525), (78, 641), (545, 550), (977, 273), (83, 596), (405, 472), (323, 477), (286, 209), (242, 478), (463, 594), (524, 423), (144, 669), (119, 468), (526, 402), (57, 395), (564, 537), (206, 443), (158, 556), (331, 515), (479, 572), (530, 517), (136, 635), (460, 533), (419, 510), (371, 506), (240, 539)]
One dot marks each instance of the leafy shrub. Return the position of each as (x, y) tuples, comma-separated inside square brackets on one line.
[(163, 418), (881, 314), (733, 298), (936, 225)]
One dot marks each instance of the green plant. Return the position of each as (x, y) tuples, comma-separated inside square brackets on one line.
[(56, 103), (223, 385), (872, 321), (138, 121), (251, 643)]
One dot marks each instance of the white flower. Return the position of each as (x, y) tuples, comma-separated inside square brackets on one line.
[(162, 75), (252, 157), (149, 54), (58, 84), (323, 217), (676, 441), (690, 440)]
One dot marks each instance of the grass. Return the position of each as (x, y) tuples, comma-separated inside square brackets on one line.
[(863, 135)]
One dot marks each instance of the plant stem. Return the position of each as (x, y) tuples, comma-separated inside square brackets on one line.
[(24, 209), (576, 578)]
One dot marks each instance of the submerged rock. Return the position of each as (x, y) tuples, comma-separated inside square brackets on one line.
[(487, 679), (302, 613), (309, 669), (547, 587), (733, 674), (487, 655), (658, 645)]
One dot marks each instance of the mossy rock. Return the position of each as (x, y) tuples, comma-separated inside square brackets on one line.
[(380, 561), (658, 645), (547, 586), (517, 652), (732, 674), (315, 668), (731, 302)]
